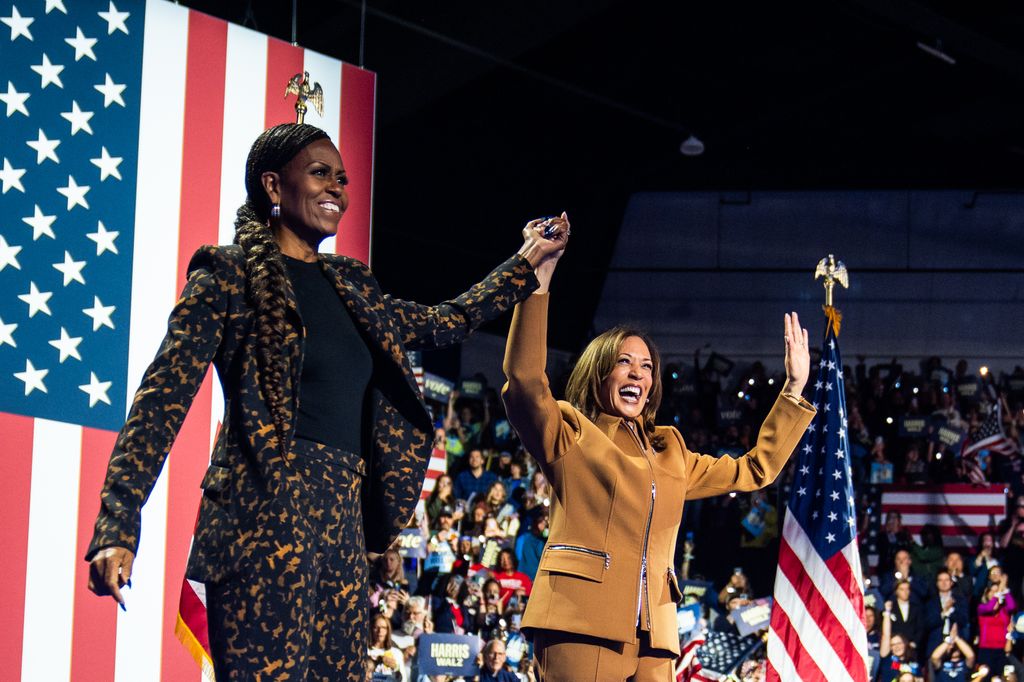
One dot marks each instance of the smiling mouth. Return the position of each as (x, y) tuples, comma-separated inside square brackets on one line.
[(631, 394), (330, 206)]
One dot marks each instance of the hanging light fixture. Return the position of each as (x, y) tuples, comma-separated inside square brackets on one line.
[(691, 146)]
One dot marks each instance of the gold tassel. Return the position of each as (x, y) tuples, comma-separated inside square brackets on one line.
[(835, 318)]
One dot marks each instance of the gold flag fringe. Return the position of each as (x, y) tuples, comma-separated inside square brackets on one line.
[(835, 318)]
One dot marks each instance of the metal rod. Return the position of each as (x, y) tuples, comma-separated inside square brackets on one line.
[(295, 22), (362, 34), (797, 271)]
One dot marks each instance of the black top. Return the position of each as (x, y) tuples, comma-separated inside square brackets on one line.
[(336, 364)]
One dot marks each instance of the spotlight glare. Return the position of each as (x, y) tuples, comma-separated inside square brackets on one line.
[(888, 420)]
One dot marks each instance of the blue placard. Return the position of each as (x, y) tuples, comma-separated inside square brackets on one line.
[(412, 544), (448, 654), (687, 617), (754, 616)]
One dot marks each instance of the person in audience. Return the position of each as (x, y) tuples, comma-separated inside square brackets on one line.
[(474, 480), (903, 571), (538, 495), (501, 509), (995, 610), (907, 617), (963, 583), (382, 650), (1012, 543), (494, 668), (388, 577), (738, 584), (928, 557), (450, 612), (893, 538), (896, 655), (952, 659), (987, 557), (512, 581), (530, 545), (443, 495), (946, 609)]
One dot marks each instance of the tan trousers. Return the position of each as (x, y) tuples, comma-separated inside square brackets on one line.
[(566, 657)]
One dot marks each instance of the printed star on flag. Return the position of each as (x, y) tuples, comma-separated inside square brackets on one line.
[(111, 91), (19, 24), (14, 100), (78, 119), (71, 269), (75, 193), (96, 390), (104, 239), (32, 377), (107, 164), (9, 255), (41, 224), (100, 314), (115, 20), (11, 177), (67, 345), (45, 148), (55, 4), (49, 73), (82, 45), (36, 300), (7, 333)]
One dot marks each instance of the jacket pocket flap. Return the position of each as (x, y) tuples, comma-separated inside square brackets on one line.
[(581, 564), (673, 586), (216, 479)]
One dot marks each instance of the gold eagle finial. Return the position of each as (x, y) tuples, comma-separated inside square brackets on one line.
[(833, 271), (299, 85)]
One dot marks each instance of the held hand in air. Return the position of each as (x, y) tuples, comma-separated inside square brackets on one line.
[(798, 358), (544, 242), (109, 571)]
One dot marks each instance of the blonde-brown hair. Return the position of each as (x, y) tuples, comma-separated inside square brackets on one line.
[(595, 365)]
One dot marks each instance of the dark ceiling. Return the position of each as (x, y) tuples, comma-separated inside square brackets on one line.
[(493, 113)]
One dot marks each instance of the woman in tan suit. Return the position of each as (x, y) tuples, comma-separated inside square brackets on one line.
[(603, 606)]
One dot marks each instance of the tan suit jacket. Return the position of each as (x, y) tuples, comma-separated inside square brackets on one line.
[(616, 499)]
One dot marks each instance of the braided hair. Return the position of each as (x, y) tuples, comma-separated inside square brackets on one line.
[(265, 275)]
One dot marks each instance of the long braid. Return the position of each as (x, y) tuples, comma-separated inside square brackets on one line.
[(266, 279)]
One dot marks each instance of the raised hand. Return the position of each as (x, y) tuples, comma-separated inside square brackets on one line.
[(544, 252), (798, 357)]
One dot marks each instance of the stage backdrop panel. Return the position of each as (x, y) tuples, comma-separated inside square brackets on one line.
[(123, 135)]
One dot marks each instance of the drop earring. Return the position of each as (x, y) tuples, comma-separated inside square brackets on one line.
[(275, 211)]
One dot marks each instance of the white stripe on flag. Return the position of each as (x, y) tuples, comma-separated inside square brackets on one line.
[(824, 581), (996, 500), (327, 71), (950, 519), (154, 274), (811, 637), (245, 89), (779, 657), (51, 560)]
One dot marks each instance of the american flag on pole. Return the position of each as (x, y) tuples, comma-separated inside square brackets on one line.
[(990, 436), (124, 127), (817, 625)]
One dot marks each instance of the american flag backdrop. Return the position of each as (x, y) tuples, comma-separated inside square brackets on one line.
[(817, 625), (962, 511), (124, 127)]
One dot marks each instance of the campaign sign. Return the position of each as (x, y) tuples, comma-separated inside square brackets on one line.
[(436, 388), (448, 654), (697, 592), (411, 544), (472, 388), (947, 435), (967, 388), (729, 417), (754, 616), (687, 617), (913, 427)]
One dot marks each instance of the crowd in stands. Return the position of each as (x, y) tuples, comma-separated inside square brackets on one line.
[(933, 612)]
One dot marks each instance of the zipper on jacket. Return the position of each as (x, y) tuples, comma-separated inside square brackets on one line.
[(647, 531), (584, 550)]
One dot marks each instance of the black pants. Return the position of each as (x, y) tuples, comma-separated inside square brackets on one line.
[(300, 611)]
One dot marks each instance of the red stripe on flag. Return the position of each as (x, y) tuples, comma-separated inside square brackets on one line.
[(358, 102), (945, 509), (94, 637), (951, 530), (805, 666), (808, 593), (200, 206), (283, 62), (16, 473)]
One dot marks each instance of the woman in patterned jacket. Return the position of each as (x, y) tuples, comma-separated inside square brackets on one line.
[(325, 437)]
